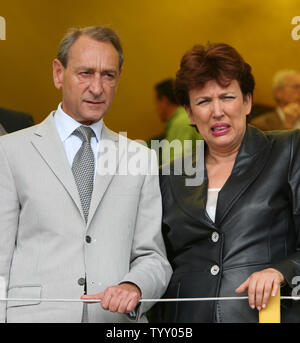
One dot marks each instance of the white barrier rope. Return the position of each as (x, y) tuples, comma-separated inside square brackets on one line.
[(141, 300), (4, 298)]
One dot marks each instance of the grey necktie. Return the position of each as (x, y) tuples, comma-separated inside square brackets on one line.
[(83, 168)]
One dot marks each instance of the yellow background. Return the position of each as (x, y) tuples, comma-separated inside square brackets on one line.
[(155, 34)]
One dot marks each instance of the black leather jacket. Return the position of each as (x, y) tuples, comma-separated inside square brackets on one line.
[(257, 226)]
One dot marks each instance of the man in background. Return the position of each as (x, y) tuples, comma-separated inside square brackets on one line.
[(177, 123), (286, 92), (14, 120), (2, 130)]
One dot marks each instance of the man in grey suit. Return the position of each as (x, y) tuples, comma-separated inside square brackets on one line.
[(69, 227)]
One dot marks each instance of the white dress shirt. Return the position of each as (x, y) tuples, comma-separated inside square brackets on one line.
[(211, 203), (66, 125)]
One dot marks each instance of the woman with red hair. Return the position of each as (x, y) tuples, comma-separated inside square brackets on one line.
[(238, 232)]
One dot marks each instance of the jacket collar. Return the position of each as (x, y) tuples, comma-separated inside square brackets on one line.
[(250, 161), (48, 144)]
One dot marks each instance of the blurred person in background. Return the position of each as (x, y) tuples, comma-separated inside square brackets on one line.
[(177, 123), (2, 130), (286, 92), (14, 120)]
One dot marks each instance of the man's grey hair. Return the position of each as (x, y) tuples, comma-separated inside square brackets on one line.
[(280, 78), (99, 33)]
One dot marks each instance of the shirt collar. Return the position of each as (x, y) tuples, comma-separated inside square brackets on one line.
[(66, 125)]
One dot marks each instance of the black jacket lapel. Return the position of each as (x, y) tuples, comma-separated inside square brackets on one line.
[(192, 199), (250, 161)]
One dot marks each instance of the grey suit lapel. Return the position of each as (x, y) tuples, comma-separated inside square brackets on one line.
[(48, 144), (102, 181)]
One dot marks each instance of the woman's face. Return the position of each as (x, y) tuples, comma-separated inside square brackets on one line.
[(220, 114)]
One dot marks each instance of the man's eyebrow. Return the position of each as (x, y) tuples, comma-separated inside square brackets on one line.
[(108, 70), (84, 68)]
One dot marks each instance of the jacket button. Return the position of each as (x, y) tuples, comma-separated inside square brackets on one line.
[(88, 239), (215, 270), (81, 281), (215, 237)]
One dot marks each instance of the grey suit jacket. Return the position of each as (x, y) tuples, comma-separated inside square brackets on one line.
[(43, 247)]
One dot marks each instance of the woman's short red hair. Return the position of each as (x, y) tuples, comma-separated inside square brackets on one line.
[(219, 62)]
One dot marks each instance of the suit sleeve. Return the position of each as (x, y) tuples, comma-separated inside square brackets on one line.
[(150, 269), (290, 267), (9, 216)]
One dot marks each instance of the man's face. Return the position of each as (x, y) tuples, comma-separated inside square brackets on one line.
[(290, 93), (89, 81)]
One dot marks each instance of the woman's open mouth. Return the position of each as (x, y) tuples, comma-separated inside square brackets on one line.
[(220, 129)]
